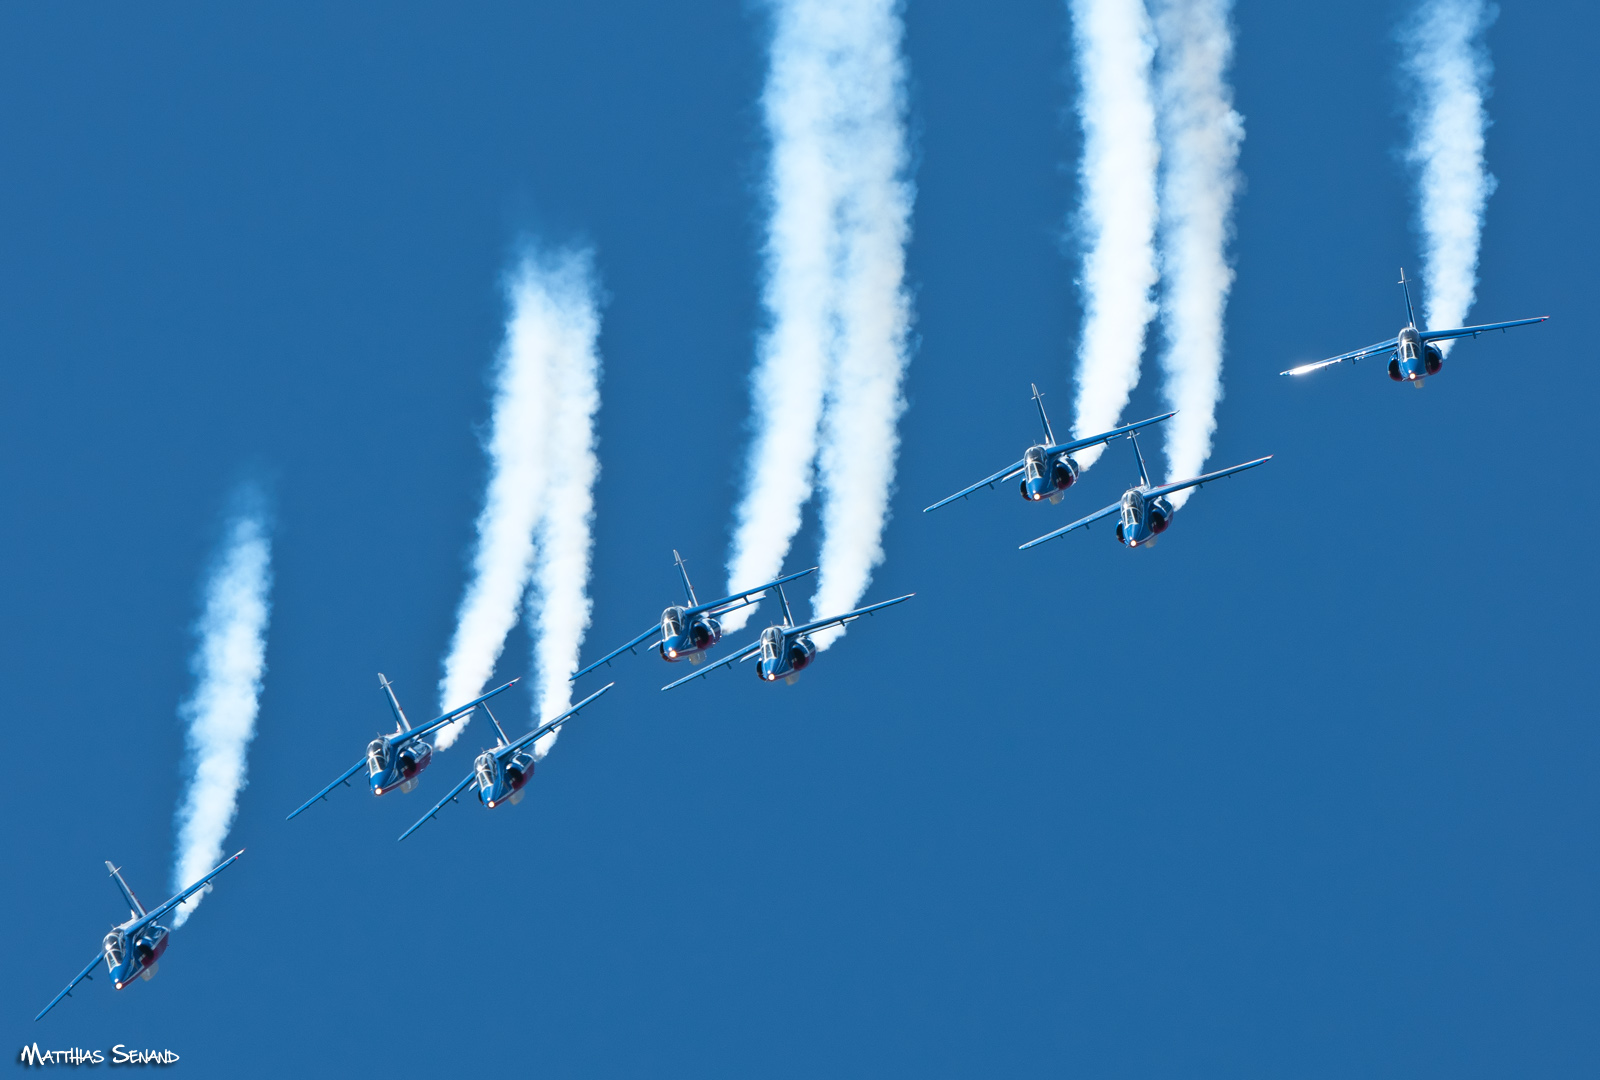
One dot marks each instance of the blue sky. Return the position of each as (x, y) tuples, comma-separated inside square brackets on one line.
[(1304, 791)]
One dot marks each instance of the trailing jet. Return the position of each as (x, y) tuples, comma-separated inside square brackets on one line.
[(1145, 511), (1412, 356), (687, 632), (1047, 469), (787, 649), (395, 761), (135, 947), (504, 770)]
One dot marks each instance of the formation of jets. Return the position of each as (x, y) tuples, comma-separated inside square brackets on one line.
[(782, 650)]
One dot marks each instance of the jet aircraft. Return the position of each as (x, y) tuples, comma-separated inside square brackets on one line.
[(135, 947), (687, 632), (502, 771), (1412, 355), (1145, 511), (1047, 469), (787, 649), (395, 761)]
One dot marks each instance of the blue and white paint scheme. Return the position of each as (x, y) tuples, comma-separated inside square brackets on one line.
[(396, 760), (1412, 354), (786, 649), (687, 632), (1144, 512), (502, 771), (1047, 469), (134, 948)]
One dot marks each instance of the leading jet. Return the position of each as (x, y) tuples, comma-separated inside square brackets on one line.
[(1412, 354), (1145, 511), (1047, 469), (687, 632), (395, 761), (787, 649), (502, 771), (134, 948)]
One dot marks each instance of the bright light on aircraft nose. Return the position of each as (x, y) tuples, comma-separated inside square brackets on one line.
[(672, 653), (117, 985), (491, 804)]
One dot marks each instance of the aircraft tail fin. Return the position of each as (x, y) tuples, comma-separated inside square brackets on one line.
[(127, 893), (1144, 474), (1038, 399), (684, 570), (503, 740), (788, 616), (1405, 288), (394, 703)]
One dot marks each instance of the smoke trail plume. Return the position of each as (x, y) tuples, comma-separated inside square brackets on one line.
[(1113, 45), (1448, 66), (542, 469), (839, 217), (221, 714), (1201, 134), (860, 439)]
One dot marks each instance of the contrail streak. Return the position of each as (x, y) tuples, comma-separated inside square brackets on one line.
[(221, 713), (1448, 66), (1113, 45), (542, 468), (839, 211), (1201, 134), (860, 438)]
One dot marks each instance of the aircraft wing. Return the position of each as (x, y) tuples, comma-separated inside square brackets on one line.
[(989, 481), (839, 620), (1168, 489), (449, 798), (186, 893), (82, 975), (343, 777), (1474, 331), (1081, 523), (551, 725), (614, 653), (744, 653), (743, 599), (1357, 354), (454, 714), (1107, 436)]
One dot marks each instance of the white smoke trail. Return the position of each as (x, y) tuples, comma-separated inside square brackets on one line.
[(541, 474), (804, 113), (559, 604), (1113, 45), (860, 439), (1201, 134), (1448, 65), (221, 714)]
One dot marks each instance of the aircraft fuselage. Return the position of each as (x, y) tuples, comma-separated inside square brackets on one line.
[(501, 779), (1046, 476), (128, 957), (1414, 359), (686, 637), (1143, 518), (781, 657), (390, 767)]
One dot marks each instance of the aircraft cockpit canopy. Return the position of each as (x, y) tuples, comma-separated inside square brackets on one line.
[(377, 755), (771, 641), (672, 622), (116, 949), (1033, 462), (485, 770)]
